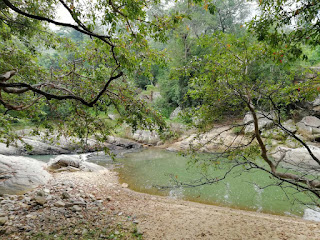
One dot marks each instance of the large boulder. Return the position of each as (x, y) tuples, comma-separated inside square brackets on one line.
[(20, 174), (298, 157), (116, 142), (290, 125), (146, 136), (39, 146), (316, 102), (72, 163), (9, 150), (309, 125), (264, 121), (277, 133)]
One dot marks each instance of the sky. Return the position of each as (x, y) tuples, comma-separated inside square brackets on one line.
[(62, 16)]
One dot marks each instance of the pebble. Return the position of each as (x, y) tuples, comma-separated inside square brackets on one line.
[(27, 199), (84, 231), (65, 195), (76, 208), (59, 204), (79, 203), (41, 193), (40, 200), (109, 198), (139, 232), (31, 216), (23, 205), (20, 197), (46, 190), (3, 220), (52, 218), (125, 185)]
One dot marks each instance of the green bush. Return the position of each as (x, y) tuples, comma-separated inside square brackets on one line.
[(163, 107)]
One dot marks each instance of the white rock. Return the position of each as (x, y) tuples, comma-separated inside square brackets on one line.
[(20, 174), (290, 125), (298, 156), (59, 204), (146, 136), (311, 121), (72, 163), (125, 185), (309, 125), (316, 102)]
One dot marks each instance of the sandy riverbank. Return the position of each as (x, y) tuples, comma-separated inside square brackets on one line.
[(164, 218)]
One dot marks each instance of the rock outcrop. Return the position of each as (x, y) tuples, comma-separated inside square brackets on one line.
[(309, 125), (298, 157), (264, 119), (40, 145), (146, 136), (20, 174), (72, 163), (116, 143), (217, 139)]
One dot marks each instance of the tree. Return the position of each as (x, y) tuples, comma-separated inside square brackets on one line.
[(204, 19), (231, 80), (294, 22), (85, 75)]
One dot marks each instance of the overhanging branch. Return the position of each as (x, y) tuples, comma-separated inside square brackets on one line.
[(106, 39), (35, 88)]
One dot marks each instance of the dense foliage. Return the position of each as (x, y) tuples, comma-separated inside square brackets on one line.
[(48, 75)]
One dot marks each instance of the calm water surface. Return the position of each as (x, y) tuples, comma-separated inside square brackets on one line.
[(145, 170)]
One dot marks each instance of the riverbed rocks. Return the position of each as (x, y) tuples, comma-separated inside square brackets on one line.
[(38, 147), (53, 144), (217, 139), (20, 174), (298, 157), (117, 143), (309, 126), (72, 163), (23, 217), (146, 137)]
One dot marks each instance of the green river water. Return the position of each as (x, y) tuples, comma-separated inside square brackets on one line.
[(146, 169)]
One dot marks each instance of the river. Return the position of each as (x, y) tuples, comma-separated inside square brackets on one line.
[(146, 170)]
